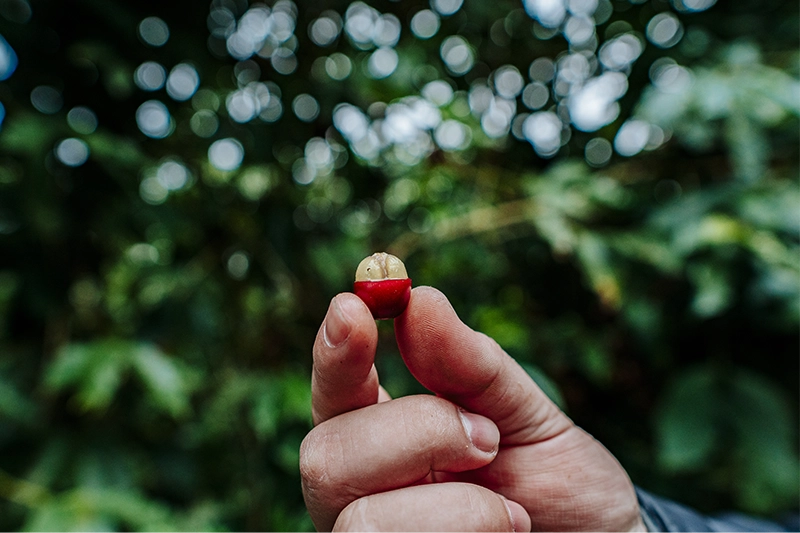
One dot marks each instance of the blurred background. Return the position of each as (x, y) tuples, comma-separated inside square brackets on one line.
[(609, 188)]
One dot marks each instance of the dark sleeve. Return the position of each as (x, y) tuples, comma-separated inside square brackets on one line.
[(660, 514)]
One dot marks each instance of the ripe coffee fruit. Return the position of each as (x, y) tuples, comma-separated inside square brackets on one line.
[(383, 284)]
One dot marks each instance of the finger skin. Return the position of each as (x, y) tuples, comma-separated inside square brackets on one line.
[(470, 369), (387, 446), (435, 507), (563, 477), (344, 377)]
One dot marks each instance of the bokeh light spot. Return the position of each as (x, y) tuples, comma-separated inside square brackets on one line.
[(284, 61), (305, 107), (246, 72), (318, 155), (238, 264), (594, 105), (351, 122), (150, 76), (204, 123), (664, 30), (8, 59), (603, 12), (496, 121), (221, 22), (154, 120), (535, 95), (620, 52), (508, 82), (691, 6), (446, 7), (82, 120), (582, 7), (226, 154), (338, 66), (632, 137), (382, 62), (598, 152), (670, 77), (438, 91), (154, 31), (479, 99), (72, 152), (182, 82), (242, 106), (152, 192), (387, 30), (457, 55), (452, 135), (549, 13), (579, 29), (17, 11), (255, 182), (272, 111), (46, 99), (205, 99), (303, 173), (543, 131), (325, 30), (425, 24), (542, 69), (360, 22), (172, 175)]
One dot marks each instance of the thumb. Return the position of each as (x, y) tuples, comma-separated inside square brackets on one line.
[(471, 370)]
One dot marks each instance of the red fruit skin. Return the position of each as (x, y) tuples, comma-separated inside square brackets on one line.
[(386, 298)]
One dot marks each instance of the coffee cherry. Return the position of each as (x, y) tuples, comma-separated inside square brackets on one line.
[(383, 284)]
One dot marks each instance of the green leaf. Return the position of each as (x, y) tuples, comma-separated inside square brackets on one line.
[(648, 247), (100, 384), (70, 365), (713, 293), (296, 403), (504, 326), (56, 515), (547, 385), (709, 417), (687, 429), (15, 405), (264, 416), (767, 439), (597, 264), (166, 385), (94, 369), (748, 147)]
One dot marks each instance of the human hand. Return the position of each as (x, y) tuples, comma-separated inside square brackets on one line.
[(411, 463)]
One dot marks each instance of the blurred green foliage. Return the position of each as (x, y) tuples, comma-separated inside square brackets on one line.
[(158, 304)]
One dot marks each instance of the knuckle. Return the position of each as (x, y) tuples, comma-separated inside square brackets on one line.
[(314, 471), (323, 467)]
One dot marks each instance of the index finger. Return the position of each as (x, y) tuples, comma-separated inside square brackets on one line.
[(471, 370), (344, 377)]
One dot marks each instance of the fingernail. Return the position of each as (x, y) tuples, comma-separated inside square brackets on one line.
[(337, 327), (517, 514), (482, 432)]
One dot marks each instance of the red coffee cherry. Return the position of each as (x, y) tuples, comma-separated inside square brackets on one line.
[(383, 284)]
